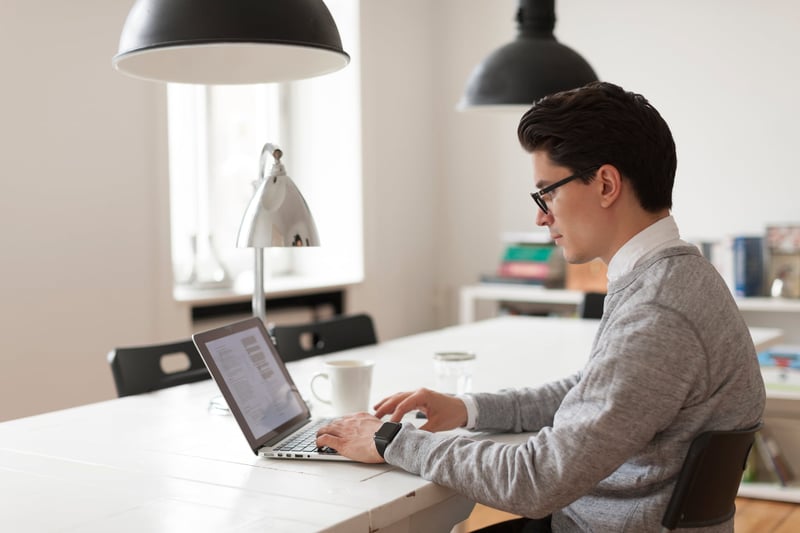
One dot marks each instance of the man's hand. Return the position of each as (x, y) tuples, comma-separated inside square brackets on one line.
[(443, 411), (353, 437)]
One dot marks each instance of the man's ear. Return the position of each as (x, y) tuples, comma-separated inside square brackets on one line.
[(610, 182)]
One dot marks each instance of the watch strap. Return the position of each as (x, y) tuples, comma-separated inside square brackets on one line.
[(385, 435)]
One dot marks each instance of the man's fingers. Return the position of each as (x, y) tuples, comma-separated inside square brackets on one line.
[(331, 441), (352, 436), (411, 403), (384, 408), (388, 405)]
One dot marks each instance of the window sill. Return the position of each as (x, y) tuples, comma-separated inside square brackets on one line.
[(273, 287)]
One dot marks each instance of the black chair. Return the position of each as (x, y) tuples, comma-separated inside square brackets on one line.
[(705, 493), (325, 336), (142, 369), (592, 305)]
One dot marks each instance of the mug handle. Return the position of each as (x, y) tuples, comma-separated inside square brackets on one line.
[(314, 392)]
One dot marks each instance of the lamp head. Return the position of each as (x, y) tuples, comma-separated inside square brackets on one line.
[(532, 66), (277, 215), (229, 41)]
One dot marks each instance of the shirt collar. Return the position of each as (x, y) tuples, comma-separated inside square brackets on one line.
[(658, 236)]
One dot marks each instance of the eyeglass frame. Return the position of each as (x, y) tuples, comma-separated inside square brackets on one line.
[(537, 196)]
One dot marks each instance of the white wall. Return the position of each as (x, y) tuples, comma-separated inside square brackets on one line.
[(82, 208), (725, 76), (400, 157), (83, 212)]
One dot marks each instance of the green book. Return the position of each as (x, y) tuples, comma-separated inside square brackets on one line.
[(521, 252)]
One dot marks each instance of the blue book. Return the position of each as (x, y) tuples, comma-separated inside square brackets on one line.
[(748, 266)]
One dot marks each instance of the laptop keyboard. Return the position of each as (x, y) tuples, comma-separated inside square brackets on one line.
[(304, 440)]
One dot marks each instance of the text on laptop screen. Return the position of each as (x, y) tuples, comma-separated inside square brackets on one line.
[(262, 392)]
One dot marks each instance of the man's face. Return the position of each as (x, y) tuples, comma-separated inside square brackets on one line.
[(573, 218)]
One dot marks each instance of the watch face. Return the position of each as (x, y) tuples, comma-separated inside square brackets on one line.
[(388, 430), (385, 434)]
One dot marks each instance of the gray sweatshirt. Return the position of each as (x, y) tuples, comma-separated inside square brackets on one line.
[(672, 358)]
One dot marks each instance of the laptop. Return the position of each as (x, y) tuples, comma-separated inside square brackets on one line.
[(260, 393)]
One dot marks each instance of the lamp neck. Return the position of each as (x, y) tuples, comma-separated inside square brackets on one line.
[(536, 18), (271, 150)]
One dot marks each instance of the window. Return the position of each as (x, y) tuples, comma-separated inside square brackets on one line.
[(215, 138)]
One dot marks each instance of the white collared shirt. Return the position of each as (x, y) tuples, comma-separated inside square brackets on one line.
[(658, 236)]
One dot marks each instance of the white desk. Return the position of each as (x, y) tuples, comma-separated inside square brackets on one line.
[(160, 462)]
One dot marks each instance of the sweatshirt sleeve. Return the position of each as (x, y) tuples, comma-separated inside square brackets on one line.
[(518, 410), (623, 397)]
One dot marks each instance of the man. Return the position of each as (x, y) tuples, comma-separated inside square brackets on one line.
[(672, 357)]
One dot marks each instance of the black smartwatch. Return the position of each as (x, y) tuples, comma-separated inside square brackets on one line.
[(385, 435)]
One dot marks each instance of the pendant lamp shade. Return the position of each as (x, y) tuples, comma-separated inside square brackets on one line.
[(532, 66), (229, 41)]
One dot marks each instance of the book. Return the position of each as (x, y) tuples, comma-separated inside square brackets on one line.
[(528, 252), (748, 266), (772, 456), (529, 259), (524, 269), (493, 278)]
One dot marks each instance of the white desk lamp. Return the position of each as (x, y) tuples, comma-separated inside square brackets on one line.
[(277, 215), (237, 42)]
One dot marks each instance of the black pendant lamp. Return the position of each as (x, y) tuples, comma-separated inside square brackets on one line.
[(533, 65), (229, 41)]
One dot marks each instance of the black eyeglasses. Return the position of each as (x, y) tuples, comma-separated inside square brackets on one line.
[(538, 196)]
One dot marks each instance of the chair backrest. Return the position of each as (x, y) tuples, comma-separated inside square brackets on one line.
[(146, 368), (705, 493), (325, 336), (592, 305)]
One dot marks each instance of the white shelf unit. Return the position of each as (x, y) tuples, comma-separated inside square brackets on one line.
[(782, 416), (770, 491), (782, 413), (558, 300), (774, 313), (484, 300), (769, 305)]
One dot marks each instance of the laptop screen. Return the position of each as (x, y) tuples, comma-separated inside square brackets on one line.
[(253, 379)]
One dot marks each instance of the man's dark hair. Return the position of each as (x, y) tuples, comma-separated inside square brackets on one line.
[(601, 123)]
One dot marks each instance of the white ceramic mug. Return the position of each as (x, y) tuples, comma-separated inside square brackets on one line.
[(350, 383)]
